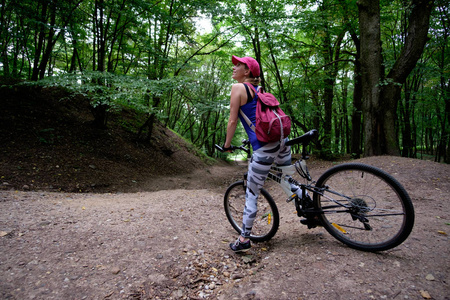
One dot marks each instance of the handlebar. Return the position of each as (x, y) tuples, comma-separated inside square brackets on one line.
[(303, 139), (243, 147)]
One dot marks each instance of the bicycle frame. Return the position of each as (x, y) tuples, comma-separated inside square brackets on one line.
[(282, 176)]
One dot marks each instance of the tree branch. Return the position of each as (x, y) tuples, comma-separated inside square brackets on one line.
[(415, 41)]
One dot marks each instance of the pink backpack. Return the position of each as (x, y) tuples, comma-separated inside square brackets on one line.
[(272, 124)]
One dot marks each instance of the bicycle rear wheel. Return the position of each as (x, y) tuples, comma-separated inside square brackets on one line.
[(364, 207), (267, 218)]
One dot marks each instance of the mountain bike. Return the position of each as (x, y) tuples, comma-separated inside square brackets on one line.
[(360, 205)]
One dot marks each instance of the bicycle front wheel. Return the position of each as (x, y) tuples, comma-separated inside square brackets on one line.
[(267, 218), (364, 207)]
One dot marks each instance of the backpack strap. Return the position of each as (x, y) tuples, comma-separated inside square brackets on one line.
[(246, 84), (249, 95), (247, 120)]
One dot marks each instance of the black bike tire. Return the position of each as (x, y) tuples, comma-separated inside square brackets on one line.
[(237, 224), (408, 220)]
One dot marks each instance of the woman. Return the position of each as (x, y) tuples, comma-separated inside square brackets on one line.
[(246, 69)]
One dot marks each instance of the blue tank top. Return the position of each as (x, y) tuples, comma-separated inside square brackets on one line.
[(249, 110)]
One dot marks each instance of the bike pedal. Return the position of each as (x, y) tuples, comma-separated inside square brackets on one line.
[(292, 197), (311, 222)]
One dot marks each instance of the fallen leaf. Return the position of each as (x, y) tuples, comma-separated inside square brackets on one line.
[(442, 232), (425, 294), (248, 259), (429, 277)]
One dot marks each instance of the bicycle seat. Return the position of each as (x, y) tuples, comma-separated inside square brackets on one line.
[(304, 139)]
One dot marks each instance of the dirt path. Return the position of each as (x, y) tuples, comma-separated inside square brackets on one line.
[(173, 244)]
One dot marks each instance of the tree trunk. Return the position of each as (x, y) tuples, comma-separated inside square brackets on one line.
[(380, 96), (371, 73), (357, 112), (416, 38), (73, 59), (40, 42), (444, 141), (345, 139), (101, 39), (4, 24), (355, 148), (50, 43), (407, 142)]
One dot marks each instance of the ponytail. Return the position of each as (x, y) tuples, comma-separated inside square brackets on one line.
[(252, 79), (255, 80)]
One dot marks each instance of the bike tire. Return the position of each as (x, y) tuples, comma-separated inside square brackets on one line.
[(383, 209), (267, 218)]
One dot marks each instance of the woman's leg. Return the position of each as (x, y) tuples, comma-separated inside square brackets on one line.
[(284, 156), (258, 170)]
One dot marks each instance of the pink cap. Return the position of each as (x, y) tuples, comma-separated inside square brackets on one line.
[(251, 63)]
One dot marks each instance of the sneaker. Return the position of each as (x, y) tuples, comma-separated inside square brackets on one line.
[(239, 246), (311, 222)]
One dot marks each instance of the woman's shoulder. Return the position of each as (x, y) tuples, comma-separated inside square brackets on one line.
[(238, 85), (243, 86), (238, 88)]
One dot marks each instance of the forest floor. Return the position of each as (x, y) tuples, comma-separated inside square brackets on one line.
[(90, 214)]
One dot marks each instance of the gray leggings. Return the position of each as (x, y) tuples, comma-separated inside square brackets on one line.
[(258, 169)]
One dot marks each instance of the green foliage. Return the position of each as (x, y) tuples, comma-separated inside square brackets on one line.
[(115, 91), (150, 57)]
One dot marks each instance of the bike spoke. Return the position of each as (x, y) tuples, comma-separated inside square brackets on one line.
[(266, 222), (372, 215)]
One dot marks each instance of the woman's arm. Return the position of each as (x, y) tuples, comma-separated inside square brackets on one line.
[(237, 98)]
